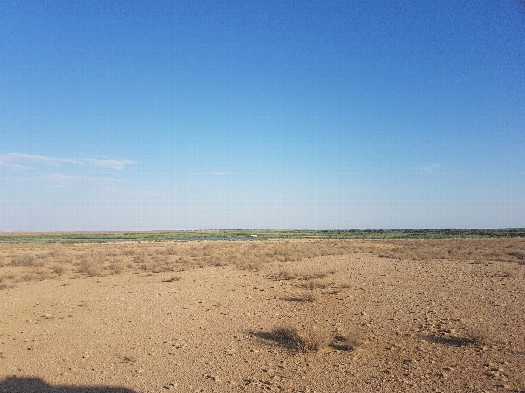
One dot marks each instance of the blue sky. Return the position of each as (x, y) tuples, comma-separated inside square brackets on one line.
[(135, 115)]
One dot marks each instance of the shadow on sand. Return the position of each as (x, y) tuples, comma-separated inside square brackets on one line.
[(37, 385), (448, 340)]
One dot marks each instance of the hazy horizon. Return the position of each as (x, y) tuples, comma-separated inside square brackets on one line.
[(135, 116)]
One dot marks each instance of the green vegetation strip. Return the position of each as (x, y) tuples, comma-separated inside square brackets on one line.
[(262, 234)]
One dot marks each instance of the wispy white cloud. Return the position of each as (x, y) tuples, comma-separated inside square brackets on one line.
[(432, 167), (108, 163), (62, 177), (73, 182), (15, 167), (218, 173), (21, 157), (13, 160)]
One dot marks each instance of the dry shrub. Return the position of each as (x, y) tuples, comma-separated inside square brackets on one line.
[(478, 250), (54, 253), (116, 267), (347, 342), (4, 285), (242, 255), (311, 285), (26, 260), (58, 269), (217, 260), (506, 273), (183, 260), (306, 277), (254, 266), (183, 263), (477, 336), (155, 263), (285, 275), (170, 250), (310, 297), (289, 275), (161, 267), (42, 255), (109, 253), (283, 253), (518, 255), (139, 259), (37, 275), (302, 340), (173, 279), (90, 267)]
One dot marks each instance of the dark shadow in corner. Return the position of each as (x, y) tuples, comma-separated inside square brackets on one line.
[(37, 385)]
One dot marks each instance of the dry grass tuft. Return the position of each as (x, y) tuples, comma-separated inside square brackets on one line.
[(172, 279), (518, 255), (301, 340), (475, 250), (159, 257), (116, 267), (318, 275), (315, 284), (89, 267), (347, 342), (4, 285), (58, 270), (284, 275), (477, 336), (37, 275), (310, 297), (26, 260)]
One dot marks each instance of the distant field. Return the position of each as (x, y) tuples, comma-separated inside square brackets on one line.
[(260, 234)]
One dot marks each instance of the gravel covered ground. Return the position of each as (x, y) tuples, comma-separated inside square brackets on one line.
[(290, 316)]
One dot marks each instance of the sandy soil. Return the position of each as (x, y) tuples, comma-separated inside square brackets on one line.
[(386, 316)]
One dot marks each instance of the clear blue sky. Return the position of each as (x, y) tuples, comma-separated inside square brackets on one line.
[(139, 115)]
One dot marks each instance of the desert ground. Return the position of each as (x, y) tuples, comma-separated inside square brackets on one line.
[(442, 315)]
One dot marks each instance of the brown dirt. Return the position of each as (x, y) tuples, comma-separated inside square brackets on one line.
[(209, 316)]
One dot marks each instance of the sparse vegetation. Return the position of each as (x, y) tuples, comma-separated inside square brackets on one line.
[(316, 284), (347, 342), (305, 339), (402, 304), (58, 269), (309, 339), (26, 260), (310, 297), (253, 255), (172, 279), (3, 285), (477, 336), (90, 267), (117, 267)]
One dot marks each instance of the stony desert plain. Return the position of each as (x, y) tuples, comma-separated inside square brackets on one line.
[(301, 315)]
